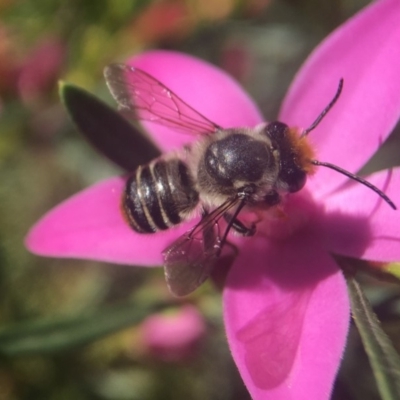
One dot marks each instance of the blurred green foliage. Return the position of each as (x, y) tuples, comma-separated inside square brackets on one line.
[(43, 160)]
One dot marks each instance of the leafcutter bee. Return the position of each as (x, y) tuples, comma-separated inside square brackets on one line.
[(224, 171)]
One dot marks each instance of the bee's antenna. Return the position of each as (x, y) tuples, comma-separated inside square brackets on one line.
[(358, 179), (325, 111)]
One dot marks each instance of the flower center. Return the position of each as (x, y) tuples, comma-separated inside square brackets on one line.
[(294, 213)]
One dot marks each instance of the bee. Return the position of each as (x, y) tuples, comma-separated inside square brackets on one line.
[(224, 171)]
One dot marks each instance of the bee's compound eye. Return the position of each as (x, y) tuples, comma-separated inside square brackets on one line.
[(276, 130), (293, 178), (237, 157)]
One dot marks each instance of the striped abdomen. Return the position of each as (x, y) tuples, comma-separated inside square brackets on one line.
[(159, 195)]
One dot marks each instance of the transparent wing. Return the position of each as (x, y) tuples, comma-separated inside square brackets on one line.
[(145, 98), (189, 261)]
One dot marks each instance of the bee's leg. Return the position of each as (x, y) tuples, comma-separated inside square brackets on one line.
[(204, 211), (211, 233), (239, 226), (225, 261)]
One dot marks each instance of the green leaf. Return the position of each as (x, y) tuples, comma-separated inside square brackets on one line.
[(393, 268), (385, 272), (55, 335), (106, 129), (384, 359)]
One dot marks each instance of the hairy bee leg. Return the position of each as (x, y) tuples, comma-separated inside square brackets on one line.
[(240, 227), (225, 262)]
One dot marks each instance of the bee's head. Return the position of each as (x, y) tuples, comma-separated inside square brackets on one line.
[(295, 155)]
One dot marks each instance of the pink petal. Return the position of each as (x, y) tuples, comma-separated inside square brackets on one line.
[(90, 225), (204, 87), (360, 224), (363, 51), (287, 316)]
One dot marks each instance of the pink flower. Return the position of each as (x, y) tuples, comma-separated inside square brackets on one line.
[(286, 307), (173, 338)]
